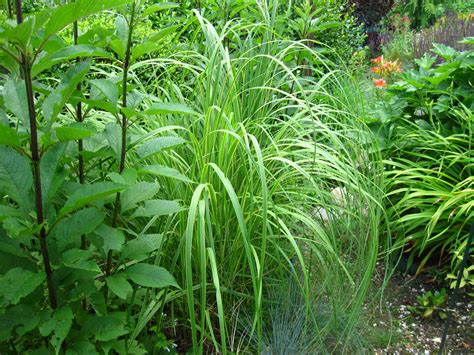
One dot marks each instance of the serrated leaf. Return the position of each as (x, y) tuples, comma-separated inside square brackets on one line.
[(67, 53), (14, 96), (113, 134), (69, 229), (158, 144), (89, 193), (108, 88), (137, 193), (80, 259), (8, 136), (159, 7), (74, 131), (112, 238), (104, 328), (60, 323), (157, 208), (165, 108), (119, 285), (51, 179), (140, 248), (67, 14), (55, 102), (18, 283), (150, 276), (16, 179), (160, 170)]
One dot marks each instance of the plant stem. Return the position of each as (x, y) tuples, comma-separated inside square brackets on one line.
[(10, 12), (123, 152), (35, 157)]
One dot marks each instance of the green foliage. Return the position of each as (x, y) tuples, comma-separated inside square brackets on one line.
[(426, 131), (430, 304)]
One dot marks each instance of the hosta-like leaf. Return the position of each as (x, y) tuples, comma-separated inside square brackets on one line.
[(104, 328), (16, 179), (18, 283), (119, 285), (166, 108), (90, 193), (150, 276), (156, 145), (157, 208)]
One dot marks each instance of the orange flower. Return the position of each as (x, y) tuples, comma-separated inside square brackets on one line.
[(380, 83), (375, 70), (377, 60)]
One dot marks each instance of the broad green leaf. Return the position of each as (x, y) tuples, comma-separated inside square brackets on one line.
[(160, 170), (90, 193), (60, 323), (16, 179), (67, 14), (64, 54), (112, 238), (14, 96), (119, 285), (18, 283), (152, 43), (156, 145), (113, 134), (7, 211), (165, 108), (137, 193), (104, 328), (108, 88), (55, 102), (159, 7), (69, 229), (74, 131), (140, 248), (22, 318), (444, 51), (150, 276), (51, 178), (80, 259), (8, 136), (157, 208)]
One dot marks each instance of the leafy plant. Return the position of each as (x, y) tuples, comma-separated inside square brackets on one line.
[(430, 304)]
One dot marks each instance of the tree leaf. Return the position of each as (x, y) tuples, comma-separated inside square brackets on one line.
[(80, 259), (74, 131), (16, 179), (140, 248), (165, 108), (137, 193), (18, 283), (119, 285), (69, 229), (112, 238), (157, 208), (14, 96), (90, 193), (67, 53), (160, 170), (156, 145), (55, 102), (159, 7), (108, 88), (67, 14), (150, 276), (60, 323), (104, 328)]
